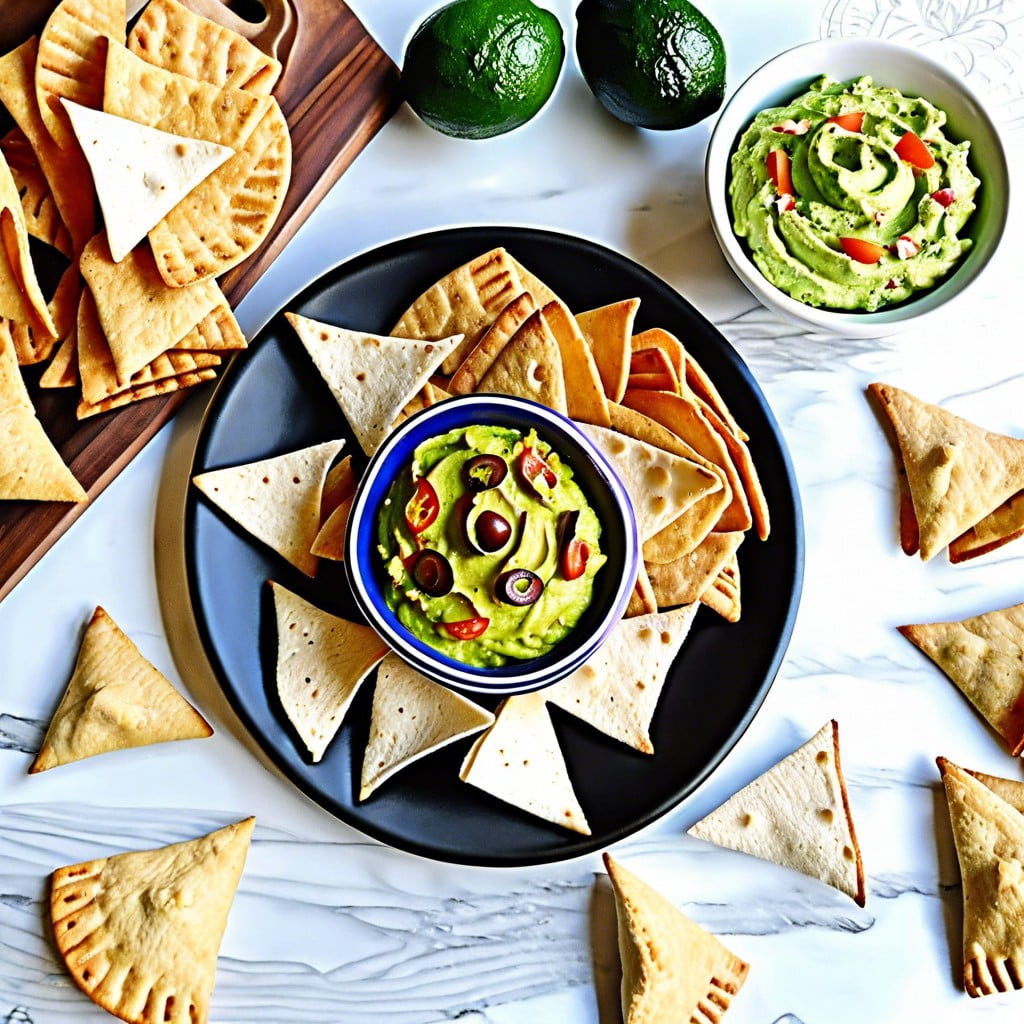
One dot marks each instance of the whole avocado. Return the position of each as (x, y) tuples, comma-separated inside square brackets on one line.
[(651, 63)]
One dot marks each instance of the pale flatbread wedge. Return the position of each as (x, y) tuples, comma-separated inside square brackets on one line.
[(584, 393), (140, 173), (466, 301), (796, 814), (984, 656), (479, 359), (609, 331), (276, 499), (529, 366), (660, 485), (618, 689), (371, 376), (688, 578), (412, 716), (673, 970), (989, 836), (140, 932), (518, 760), (116, 699), (31, 468), (321, 662), (957, 472)]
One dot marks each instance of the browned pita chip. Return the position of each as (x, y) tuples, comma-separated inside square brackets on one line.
[(687, 578), (642, 601), (999, 527), (62, 370), (42, 218), (723, 594), (494, 338), (584, 391), (663, 341), (37, 345), (608, 331)]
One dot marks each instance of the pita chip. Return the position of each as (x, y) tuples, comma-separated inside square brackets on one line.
[(723, 593), (984, 656), (672, 968), (529, 366), (618, 688), (140, 173), (999, 527), (371, 376), (688, 578), (140, 932), (479, 359), (668, 344), (642, 600), (584, 393), (42, 218), (957, 472), (988, 832), (609, 331), (276, 499), (412, 716), (796, 814), (321, 662), (518, 760), (116, 699)]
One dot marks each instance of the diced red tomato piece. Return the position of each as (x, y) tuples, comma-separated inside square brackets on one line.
[(944, 197), (573, 558), (852, 122), (467, 629), (861, 250), (534, 469), (423, 507), (777, 165), (914, 151)]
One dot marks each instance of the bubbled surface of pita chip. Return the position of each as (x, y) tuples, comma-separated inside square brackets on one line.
[(796, 814), (673, 970), (140, 932)]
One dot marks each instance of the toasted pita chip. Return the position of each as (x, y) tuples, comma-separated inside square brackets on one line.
[(42, 218), (494, 338), (37, 345), (796, 814), (321, 662), (618, 688), (171, 36), (984, 656), (518, 760), (31, 468), (140, 173), (704, 388), (584, 392), (62, 370), (660, 485), (957, 472), (723, 593), (72, 57), (988, 833), (465, 301), (277, 499), (116, 699), (608, 331), (529, 366), (672, 969), (339, 486), (999, 527), (371, 376), (163, 385), (412, 716), (658, 339), (139, 932), (642, 601), (330, 540), (686, 579)]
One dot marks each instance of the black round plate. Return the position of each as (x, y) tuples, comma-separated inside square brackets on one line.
[(272, 400)]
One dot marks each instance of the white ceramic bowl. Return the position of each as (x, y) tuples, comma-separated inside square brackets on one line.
[(790, 74)]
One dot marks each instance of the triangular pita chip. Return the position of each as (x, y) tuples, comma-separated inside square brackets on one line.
[(36, 344), (957, 472), (687, 578), (618, 688), (642, 600), (984, 656), (42, 218), (999, 527), (371, 376), (665, 342), (140, 173), (529, 366), (479, 359), (584, 394), (277, 499), (116, 699), (796, 814), (723, 593), (608, 331), (989, 836), (412, 716), (673, 970), (139, 932), (660, 485), (518, 760), (321, 662)]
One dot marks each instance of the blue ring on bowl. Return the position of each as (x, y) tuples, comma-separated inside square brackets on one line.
[(613, 584)]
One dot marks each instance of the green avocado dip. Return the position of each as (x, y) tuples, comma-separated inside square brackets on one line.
[(852, 196), (490, 546)]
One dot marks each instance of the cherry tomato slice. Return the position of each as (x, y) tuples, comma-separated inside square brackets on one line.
[(944, 197), (535, 469), (861, 250), (467, 629), (777, 165), (852, 122), (914, 151), (423, 507), (572, 560)]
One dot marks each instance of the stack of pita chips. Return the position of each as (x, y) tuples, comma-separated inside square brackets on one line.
[(986, 813), (961, 486), (139, 932), (115, 700), (672, 969), (984, 656), (796, 814)]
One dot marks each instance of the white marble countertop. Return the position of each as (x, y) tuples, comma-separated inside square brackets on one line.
[(329, 927)]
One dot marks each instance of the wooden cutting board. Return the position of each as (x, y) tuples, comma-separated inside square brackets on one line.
[(338, 89)]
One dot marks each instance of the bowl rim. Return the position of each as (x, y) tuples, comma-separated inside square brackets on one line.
[(517, 676), (749, 98)]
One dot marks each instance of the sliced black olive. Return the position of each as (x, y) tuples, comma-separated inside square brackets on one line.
[(519, 586), (565, 529), (482, 472), (492, 532), (432, 573)]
